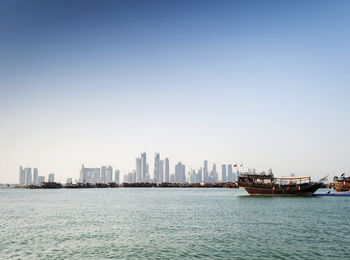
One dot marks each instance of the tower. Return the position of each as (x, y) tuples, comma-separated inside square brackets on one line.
[(144, 167), (35, 176), (138, 170), (156, 167), (205, 172), (22, 177), (166, 168), (223, 173)]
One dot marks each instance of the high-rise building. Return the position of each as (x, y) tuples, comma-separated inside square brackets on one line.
[(95, 173), (180, 173), (144, 168), (229, 173), (200, 174), (156, 167), (116, 176), (28, 176), (138, 170), (126, 178), (51, 177), (205, 172), (133, 176), (104, 174), (90, 175), (22, 176), (213, 174), (109, 174), (35, 176), (194, 177), (223, 173), (130, 178), (41, 179), (148, 177), (161, 171), (166, 168), (172, 178)]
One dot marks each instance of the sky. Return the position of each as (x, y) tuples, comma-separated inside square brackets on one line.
[(265, 83)]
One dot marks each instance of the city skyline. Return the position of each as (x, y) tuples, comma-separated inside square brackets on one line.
[(162, 173), (264, 83)]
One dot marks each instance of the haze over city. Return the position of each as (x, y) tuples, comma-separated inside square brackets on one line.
[(99, 82)]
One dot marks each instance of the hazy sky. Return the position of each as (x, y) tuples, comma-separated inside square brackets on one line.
[(265, 83)]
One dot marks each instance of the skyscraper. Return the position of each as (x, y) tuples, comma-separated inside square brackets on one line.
[(133, 177), (144, 169), (116, 176), (200, 175), (156, 167), (106, 174), (51, 177), (138, 170), (229, 173), (28, 176), (172, 178), (41, 179), (166, 168), (205, 172), (22, 177), (223, 173), (180, 173), (96, 175), (35, 176), (109, 174), (90, 175), (148, 177), (213, 174), (103, 174), (161, 171)]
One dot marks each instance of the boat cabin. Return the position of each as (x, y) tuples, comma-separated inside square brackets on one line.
[(270, 179)]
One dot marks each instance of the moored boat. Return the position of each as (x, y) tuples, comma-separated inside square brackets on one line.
[(342, 183), (50, 185), (268, 185)]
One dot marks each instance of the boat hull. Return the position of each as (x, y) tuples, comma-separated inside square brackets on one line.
[(343, 185), (277, 190)]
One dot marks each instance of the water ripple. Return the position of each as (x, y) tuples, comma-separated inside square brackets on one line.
[(170, 223)]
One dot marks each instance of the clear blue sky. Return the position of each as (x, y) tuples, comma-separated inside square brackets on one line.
[(265, 83)]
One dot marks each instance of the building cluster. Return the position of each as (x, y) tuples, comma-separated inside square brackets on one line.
[(203, 175), (161, 172), (98, 175), (29, 177), (141, 174)]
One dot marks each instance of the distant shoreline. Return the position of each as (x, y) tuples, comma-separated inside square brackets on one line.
[(55, 185)]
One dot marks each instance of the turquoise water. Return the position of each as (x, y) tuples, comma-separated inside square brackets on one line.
[(170, 223)]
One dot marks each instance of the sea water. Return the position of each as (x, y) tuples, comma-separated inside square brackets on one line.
[(170, 223)]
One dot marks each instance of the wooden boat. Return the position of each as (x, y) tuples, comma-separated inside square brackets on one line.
[(50, 185), (268, 185), (342, 183)]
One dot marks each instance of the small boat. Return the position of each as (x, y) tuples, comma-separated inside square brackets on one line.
[(268, 185), (336, 194), (342, 183)]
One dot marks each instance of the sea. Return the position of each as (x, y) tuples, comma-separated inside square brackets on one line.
[(170, 223)]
